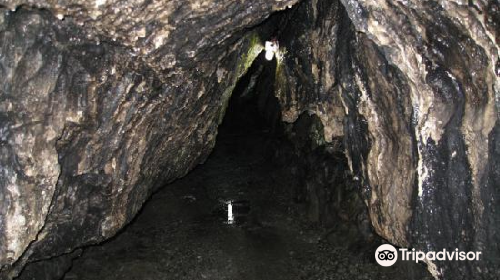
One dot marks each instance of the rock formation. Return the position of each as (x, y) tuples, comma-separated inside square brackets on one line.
[(419, 85), (102, 102)]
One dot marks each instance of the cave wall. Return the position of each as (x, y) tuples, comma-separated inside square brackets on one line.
[(315, 37), (415, 86), (441, 56), (100, 105), (102, 102)]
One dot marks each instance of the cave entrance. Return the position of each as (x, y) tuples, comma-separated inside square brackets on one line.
[(247, 138), (252, 119), (252, 211)]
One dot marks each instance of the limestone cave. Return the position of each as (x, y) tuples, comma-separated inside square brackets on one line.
[(249, 140)]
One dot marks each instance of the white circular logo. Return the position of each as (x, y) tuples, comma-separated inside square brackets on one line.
[(386, 255)]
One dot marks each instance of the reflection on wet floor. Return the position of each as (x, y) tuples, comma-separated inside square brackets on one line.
[(230, 215), (231, 218), (225, 220), (237, 211)]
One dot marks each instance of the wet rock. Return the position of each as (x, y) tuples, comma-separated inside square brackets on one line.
[(103, 101), (101, 104), (417, 82)]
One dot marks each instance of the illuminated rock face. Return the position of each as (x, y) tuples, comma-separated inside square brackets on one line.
[(103, 101), (412, 88), (96, 115), (432, 121)]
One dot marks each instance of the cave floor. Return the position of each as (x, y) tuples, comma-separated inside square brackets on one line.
[(183, 231)]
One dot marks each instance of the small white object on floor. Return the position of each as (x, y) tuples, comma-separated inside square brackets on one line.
[(230, 216)]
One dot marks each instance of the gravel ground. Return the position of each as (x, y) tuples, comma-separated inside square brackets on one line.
[(183, 231)]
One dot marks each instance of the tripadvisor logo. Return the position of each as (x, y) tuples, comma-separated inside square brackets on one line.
[(387, 255)]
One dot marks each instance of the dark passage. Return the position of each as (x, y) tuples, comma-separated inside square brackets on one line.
[(186, 231)]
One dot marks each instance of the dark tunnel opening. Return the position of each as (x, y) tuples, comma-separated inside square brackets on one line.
[(252, 118), (253, 210)]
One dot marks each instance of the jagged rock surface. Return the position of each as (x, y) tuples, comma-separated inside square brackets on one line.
[(419, 84), (99, 108), (97, 111)]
